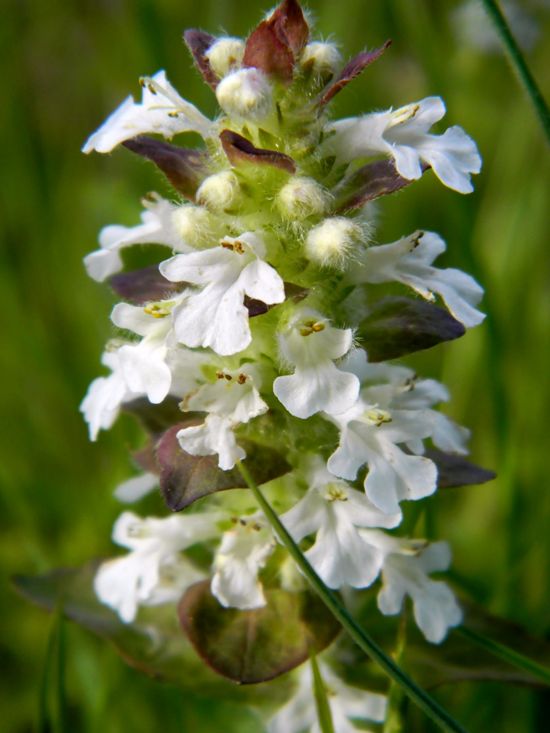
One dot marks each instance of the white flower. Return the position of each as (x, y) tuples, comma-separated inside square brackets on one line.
[(409, 260), (371, 435), (135, 488), (334, 511), (102, 401), (242, 553), (403, 134), (144, 364), (156, 228), (231, 400), (161, 111), (311, 344), (216, 316), (299, 715), (399, 388), (153, 572), (246, 94), (405, 572), (420, 394)]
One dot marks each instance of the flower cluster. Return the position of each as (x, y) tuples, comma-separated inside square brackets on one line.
[(251, 323)]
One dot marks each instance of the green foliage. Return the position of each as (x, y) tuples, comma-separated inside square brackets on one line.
[(70, 64)]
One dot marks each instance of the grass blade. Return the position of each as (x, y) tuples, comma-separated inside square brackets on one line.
[(51, 701), (516, 659), (520, 65), (324, 715)]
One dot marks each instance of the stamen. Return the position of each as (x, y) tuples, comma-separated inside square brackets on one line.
[(404, 114), (236, 246), (155, 88), (377, 417), (158, 310), (311, 326), (415, 240), (336, 492)]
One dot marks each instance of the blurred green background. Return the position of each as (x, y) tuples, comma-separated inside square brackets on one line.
[(68, 64)]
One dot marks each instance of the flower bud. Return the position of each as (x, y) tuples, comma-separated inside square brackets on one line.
[(194, 224), (225, 55), (220, 191), (330, 242), (302, 197), (321, 59), (245, 93)]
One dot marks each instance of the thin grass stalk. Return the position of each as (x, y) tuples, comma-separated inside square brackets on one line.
[(519, 63)]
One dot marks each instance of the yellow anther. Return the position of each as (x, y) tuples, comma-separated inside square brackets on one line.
[(235, 246), (376, 416), (336, 493), (405, 113), (224, 375), (311, 326), (415, 240), (158, 310)]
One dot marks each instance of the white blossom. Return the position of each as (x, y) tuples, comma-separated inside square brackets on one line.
[(299, 714), (156, 227), (215, 315), (231, 400), (144, 364), (154, 571), (161, 111), (405, 572), (105, 395), (403, 135), (409, 261), (369, 434), (135, 488), (422, 394), (243, 551), (398, 387), (334, 511), (311, 345)]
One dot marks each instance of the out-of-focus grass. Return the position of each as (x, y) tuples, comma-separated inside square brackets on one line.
[(69, 62)]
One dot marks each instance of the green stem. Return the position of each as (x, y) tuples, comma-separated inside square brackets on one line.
[(394, 722), (508, 655), (520, 65), (324, 714), (424, 701)]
